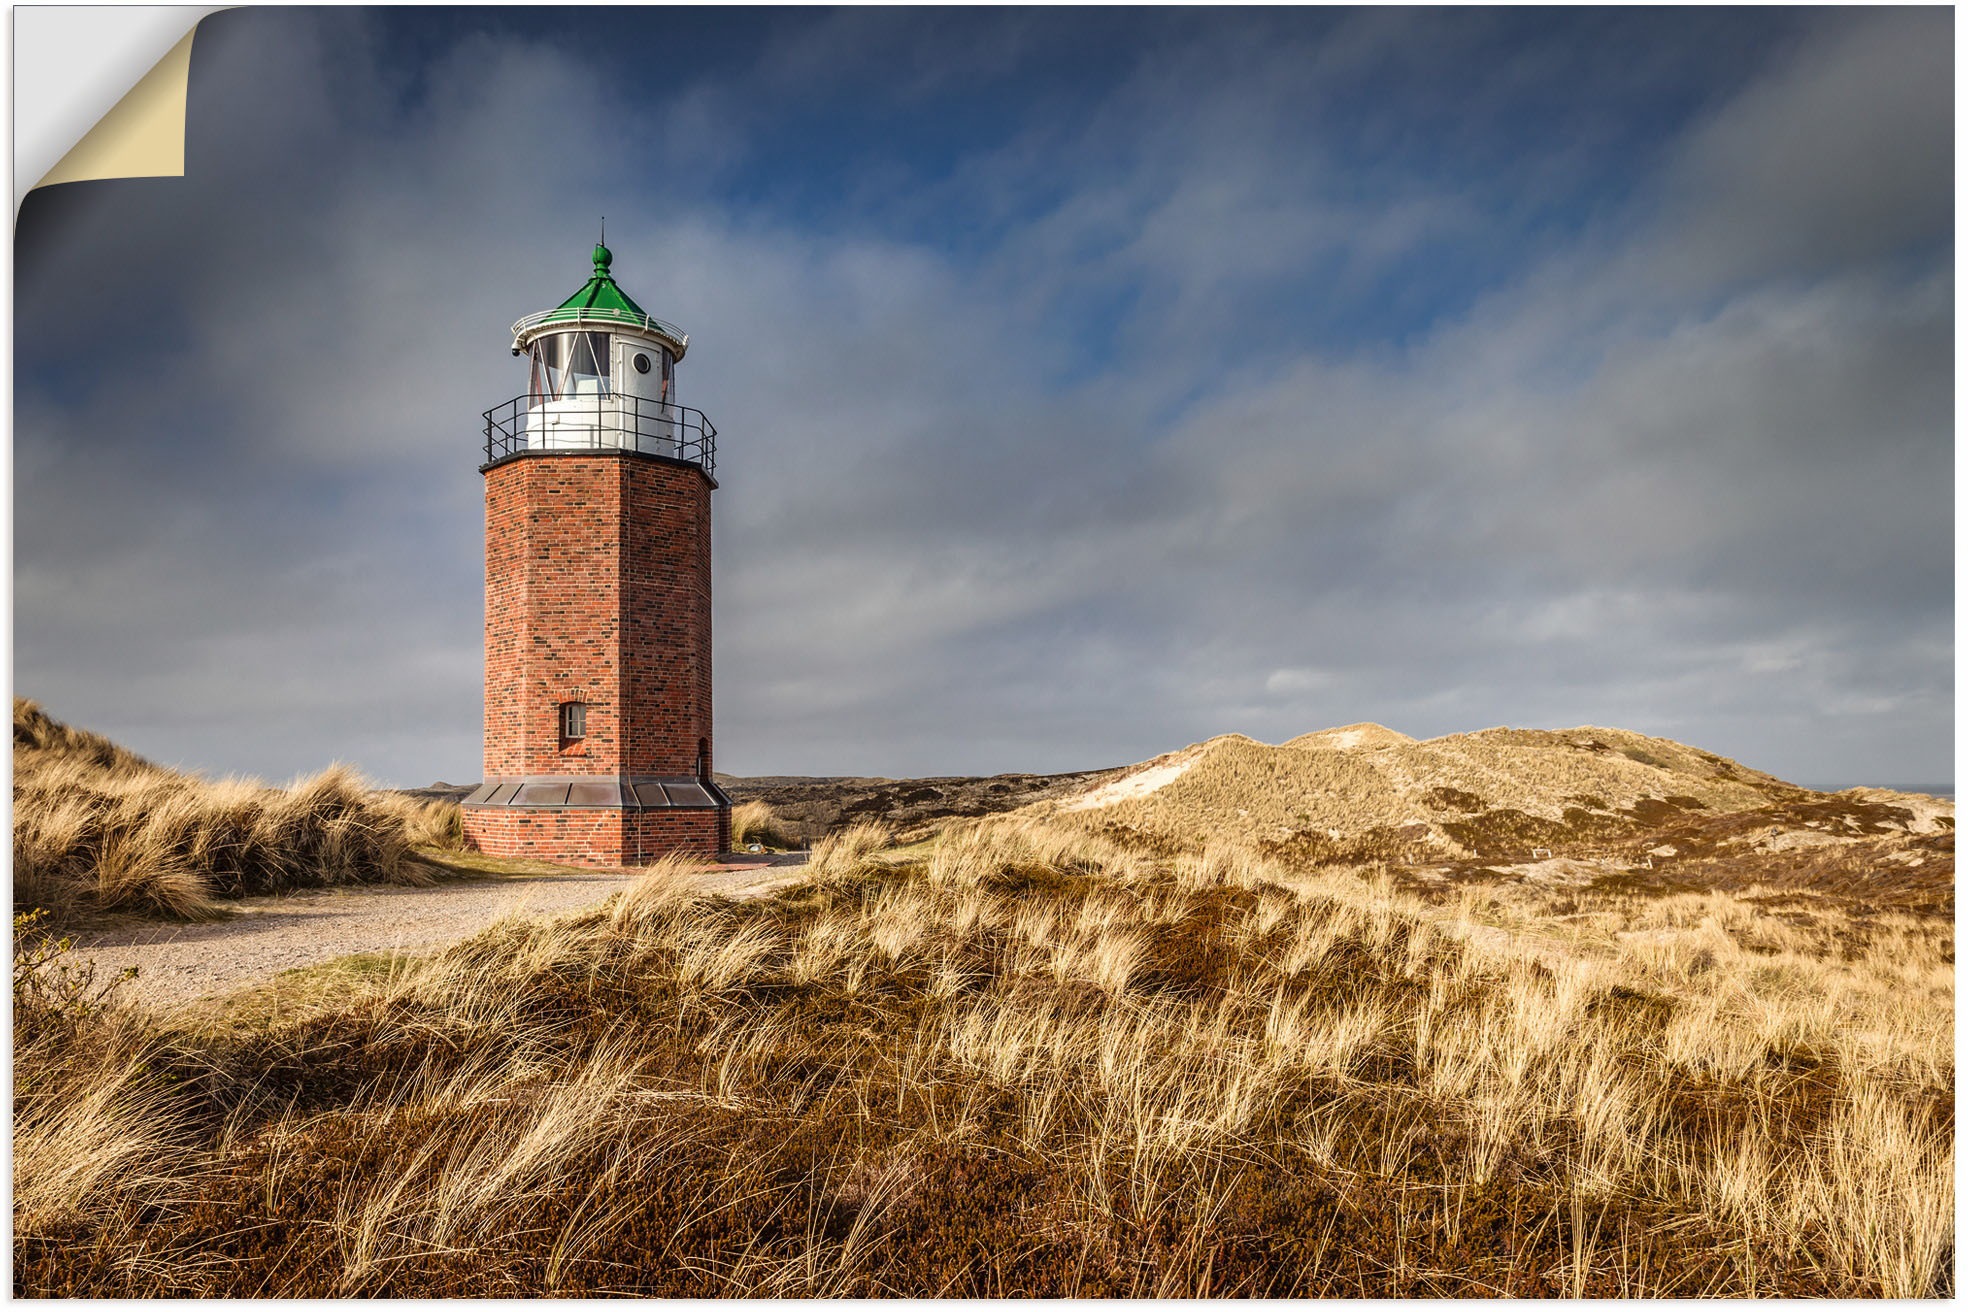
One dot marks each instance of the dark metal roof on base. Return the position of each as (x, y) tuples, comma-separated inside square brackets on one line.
[(560, 792)]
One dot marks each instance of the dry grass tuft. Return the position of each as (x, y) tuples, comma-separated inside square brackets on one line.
[(425, 823), (96, 1135), (664, 889), (755, 822), (97, 828), (1024, 1063), (847, 852)]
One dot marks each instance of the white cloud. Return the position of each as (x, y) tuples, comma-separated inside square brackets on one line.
[(1297, 680)]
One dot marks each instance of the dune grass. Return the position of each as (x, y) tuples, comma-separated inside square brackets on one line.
[(97, 828), (1032, 1062), (756, 822)]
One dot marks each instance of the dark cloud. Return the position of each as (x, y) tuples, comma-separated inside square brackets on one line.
[(1836, 156), (1293, 370)]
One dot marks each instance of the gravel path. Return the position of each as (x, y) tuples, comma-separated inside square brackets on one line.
[(181, 963)]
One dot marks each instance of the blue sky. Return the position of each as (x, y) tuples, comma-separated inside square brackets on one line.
[(1090, 381)]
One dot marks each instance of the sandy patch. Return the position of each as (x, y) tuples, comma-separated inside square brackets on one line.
[(1561, 871), (1928, 811), (177, 963), (1128, 787), (1352, 737)]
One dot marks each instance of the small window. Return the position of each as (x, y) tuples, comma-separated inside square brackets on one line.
[(641, 363), (573, 721)]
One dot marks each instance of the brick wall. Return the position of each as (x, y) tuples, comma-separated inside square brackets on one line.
[(665, 589), (598, 590), (597, 837)]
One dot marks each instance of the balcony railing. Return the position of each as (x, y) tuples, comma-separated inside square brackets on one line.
[(600, 422)]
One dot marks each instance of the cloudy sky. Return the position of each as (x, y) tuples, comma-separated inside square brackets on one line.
[(1088, 382)]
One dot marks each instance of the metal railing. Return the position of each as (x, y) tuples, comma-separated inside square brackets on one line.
[(600, 422), (596, 314)]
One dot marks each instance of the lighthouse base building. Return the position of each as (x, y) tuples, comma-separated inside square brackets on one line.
[(598, 599)]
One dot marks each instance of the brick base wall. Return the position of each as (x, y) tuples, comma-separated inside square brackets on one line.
[(600, 838)]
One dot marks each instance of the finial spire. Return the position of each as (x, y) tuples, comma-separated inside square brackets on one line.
[(602, 257)]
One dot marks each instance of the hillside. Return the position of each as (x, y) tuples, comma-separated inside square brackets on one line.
[(99, 828), (807, 808), (1022, 1058), (1574, 805)]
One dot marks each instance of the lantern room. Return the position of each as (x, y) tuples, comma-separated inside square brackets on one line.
[(601, 374)]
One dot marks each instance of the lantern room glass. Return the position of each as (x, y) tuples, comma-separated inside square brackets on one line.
[(570, 364)]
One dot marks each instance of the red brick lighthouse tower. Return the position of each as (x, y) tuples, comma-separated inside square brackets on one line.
[(598, 596)]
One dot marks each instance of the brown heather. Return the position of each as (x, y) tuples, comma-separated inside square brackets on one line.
[(98, 828), (1030, 1061)]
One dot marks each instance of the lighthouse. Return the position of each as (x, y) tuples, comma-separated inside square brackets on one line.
[(598, 595)]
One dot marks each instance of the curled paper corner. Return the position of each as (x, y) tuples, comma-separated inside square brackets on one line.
[(143, 134)]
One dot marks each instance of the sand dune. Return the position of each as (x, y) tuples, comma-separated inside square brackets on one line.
[(1364, 792)]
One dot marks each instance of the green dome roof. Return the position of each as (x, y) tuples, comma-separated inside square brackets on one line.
[(601, 293), (600, 300)]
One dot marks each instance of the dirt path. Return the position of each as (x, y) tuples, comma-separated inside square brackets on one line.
[(178, 963)]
